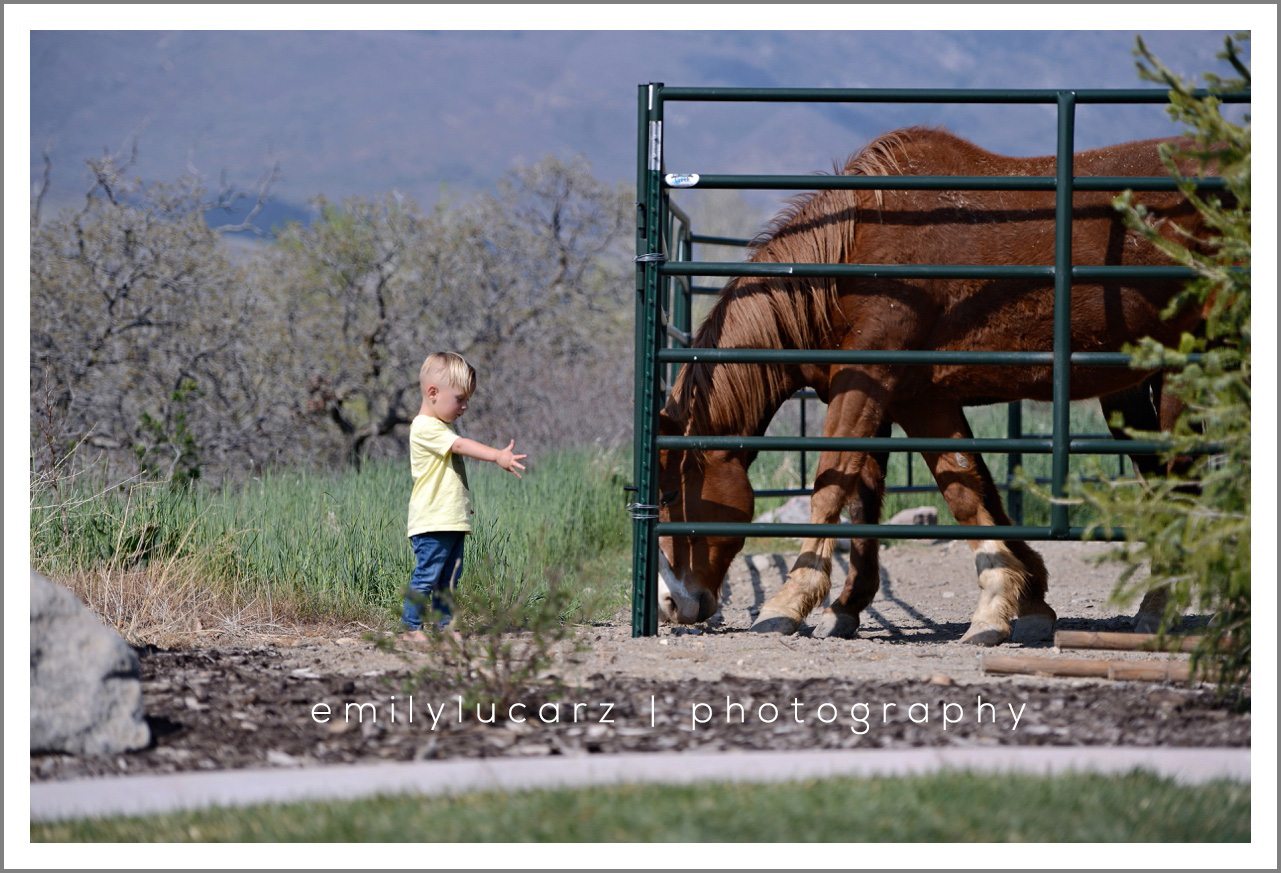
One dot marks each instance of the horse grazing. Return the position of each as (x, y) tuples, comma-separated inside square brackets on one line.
[(907, 227)]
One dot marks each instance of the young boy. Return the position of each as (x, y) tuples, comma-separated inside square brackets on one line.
[(439, 506)]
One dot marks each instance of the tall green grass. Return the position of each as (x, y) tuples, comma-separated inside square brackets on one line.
[(563, 524), (335, 542)]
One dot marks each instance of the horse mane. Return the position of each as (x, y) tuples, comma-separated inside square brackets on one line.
[(779, 312)]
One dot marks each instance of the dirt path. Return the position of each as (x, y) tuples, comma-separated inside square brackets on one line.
[(711, 688), (912, 630)]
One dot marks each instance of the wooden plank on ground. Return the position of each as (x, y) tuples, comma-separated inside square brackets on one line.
[(1127, 642), (1092, 668)]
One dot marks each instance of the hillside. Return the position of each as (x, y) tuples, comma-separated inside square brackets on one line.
[(443, 114)]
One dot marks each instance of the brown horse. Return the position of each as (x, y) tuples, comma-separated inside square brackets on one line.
[(906, 227)]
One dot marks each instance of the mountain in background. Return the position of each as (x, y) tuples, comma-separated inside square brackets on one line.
[(445, 114)]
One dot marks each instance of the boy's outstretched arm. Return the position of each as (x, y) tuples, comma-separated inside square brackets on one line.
[(506, 458)]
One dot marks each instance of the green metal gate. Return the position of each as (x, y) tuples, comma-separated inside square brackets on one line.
[(664, 245)]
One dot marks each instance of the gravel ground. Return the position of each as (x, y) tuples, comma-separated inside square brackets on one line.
[(907, 682)]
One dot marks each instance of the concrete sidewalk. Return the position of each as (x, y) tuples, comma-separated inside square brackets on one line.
[(148, 795)]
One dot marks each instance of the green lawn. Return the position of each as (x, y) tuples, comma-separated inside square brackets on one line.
[(940, 808)]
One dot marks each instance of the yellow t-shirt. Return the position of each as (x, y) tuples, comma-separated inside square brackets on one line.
[(439, 501)]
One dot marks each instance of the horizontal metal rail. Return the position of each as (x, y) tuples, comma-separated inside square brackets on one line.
[(889, 489), (877, 531), (887, 356), (930, 488), (916, 271), (994, 445), (933, 95), (824, 182)]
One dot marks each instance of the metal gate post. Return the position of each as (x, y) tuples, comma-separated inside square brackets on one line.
[(1013, 493), (1062, 312), (649, 246)]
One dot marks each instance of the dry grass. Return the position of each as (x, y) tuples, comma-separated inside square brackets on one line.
[(170, 604), (296, 554)]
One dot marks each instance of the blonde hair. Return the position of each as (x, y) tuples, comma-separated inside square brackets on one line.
[(449, 368)]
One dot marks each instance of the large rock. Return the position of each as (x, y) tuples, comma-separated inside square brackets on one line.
[(86, 697), (797, 511), (916, 515), (794, 511)]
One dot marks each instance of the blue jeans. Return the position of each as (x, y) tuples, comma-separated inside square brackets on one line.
[(440, 564)]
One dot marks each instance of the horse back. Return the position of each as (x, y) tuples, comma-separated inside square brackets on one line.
[(1006, 228)]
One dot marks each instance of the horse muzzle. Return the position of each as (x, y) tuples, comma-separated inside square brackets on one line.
[(676, 603)]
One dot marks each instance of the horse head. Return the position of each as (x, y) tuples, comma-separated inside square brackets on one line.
[(697, 486)]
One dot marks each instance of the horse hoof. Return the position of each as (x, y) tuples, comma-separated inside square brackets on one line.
[(776, 624), (841, 625), (1033, 629), (985, 635)]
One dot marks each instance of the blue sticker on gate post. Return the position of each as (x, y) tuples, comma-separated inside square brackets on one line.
[(681, 180)]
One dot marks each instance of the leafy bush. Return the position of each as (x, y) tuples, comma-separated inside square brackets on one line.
[(1192, 528)]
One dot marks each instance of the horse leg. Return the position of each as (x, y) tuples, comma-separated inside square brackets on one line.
[(857, 408), (1012, 577), (1144, 408), (841, 619)]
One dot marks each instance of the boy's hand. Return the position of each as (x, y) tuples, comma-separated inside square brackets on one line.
[(509, 460)]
